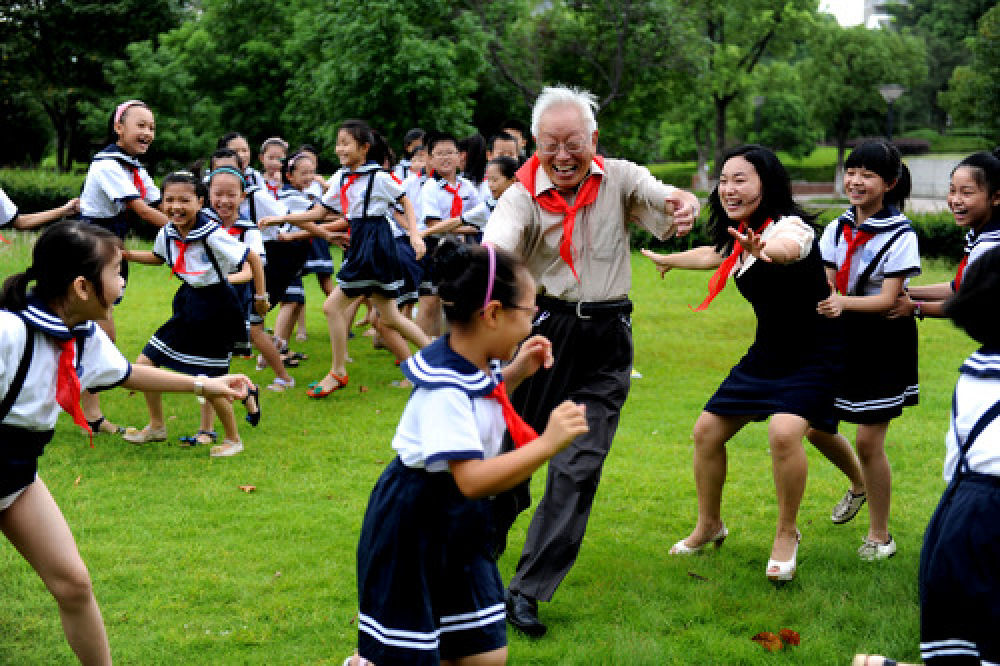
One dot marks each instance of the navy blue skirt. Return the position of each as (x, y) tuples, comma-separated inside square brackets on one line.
[(296, 292), (428, 588), (318, 260), (412, 271), (371, 263), (19, 457), (199, 337)]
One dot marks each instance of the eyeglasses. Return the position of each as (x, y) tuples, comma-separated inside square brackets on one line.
[(530, 308), (572, 146), (445, 153)]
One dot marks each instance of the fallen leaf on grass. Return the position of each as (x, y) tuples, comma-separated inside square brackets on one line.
[(790, 637), (696, 576), (277, 574), (379, 462), (77, 482), (248, 488), (362, 389), (768, 640)]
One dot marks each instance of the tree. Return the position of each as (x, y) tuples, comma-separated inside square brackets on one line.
[(846, 66), (973, 94), (55, 52), (945, 28)]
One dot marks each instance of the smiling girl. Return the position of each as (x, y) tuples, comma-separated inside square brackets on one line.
[(870, 252), (207, 316)]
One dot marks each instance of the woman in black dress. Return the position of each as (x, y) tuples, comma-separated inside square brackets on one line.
[(764, 240)]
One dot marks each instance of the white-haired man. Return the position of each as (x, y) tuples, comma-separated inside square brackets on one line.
[(567, 217)]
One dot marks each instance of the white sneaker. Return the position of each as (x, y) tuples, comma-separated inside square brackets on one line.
[(873, 550), (636, 374), (847, 507), (227, 448)]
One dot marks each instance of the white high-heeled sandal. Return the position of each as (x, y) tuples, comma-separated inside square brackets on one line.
[(778, 571), (681, 548)]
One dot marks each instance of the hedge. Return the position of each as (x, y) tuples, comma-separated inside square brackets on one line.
[(34, 190), (937, 234)]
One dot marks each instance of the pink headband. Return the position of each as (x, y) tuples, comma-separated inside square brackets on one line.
[(492, 253), (120, 110)]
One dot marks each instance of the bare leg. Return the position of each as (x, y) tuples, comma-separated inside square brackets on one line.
[(429, 315), (789, 467), (91, 402), (878, 477), (285, 321), (335, 308), (393, 341), (154, 400), (265, 344), (325, 283), (224, 409), (36, 528), (711, 432), (391, 316), (301, 321), (839, 451)]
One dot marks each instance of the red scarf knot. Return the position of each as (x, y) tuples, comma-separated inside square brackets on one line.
[(854, 241), (717, 282), (456, 201), (551, 201), (180, 265), (137, 181), (343, 191), (520, 431), (68, 386), (960, 273)]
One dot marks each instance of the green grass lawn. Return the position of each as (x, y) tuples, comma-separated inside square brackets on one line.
[(189, 569)]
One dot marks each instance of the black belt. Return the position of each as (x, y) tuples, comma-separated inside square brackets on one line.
[(585, 309)]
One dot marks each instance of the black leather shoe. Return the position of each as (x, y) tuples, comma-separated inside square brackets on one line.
[(522, 614)]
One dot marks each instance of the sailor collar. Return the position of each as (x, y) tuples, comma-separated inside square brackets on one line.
[(990, 230), (115, 152), (204, 225), (982, 364), (439, 366), (40, 317), (887, 219), (240, 223)]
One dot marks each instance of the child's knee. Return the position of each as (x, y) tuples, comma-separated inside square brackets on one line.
[(71, 586)]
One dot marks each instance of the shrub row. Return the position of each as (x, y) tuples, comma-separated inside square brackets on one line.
[(937, 234), (34, 190)]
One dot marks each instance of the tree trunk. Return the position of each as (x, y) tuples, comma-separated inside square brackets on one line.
[(838, 173), (703, 147), (721, 104)]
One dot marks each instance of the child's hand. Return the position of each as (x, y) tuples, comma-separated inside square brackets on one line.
[(71, 207), (566, 422), (417, 243), (269, 221), (261, 305), (534, 353), (832, 306), (903, 307), (231, 387), (661, 261)]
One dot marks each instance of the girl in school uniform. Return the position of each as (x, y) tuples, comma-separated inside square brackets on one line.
[(272, 153), (445, 195), (207, 315), (50, 350), (259, 202), (974, 200), (763, 239), (960, 559), (429, 590), (413, 141), (117, 189), (364, 193), (870, 252)]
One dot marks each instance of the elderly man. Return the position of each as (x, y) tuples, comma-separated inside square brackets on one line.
[(567, 218)]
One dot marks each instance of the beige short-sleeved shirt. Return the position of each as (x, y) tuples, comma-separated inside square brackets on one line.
[(601, 252)]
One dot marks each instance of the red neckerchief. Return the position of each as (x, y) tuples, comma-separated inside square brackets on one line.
[(960, 273), (2, 239), (68, 386), (551, 201), (854, 241), (519, 430), (343, 191), (396, 178), (456, 200), (180, 267), (717, 282), (137, 181), (273, 189)]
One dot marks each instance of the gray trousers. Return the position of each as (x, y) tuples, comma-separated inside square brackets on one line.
[(593, 361)]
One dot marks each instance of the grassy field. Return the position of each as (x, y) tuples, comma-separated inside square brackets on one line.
[(189, 569)]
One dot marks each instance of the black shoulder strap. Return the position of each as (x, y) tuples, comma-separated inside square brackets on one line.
[(987, 418), (215, 264), (870, 268), (253, 206), (368, 193), (22, 371)]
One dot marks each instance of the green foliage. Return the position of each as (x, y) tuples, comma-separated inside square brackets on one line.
[(973, 93), (952, 142), (785, 125), (35, 190)]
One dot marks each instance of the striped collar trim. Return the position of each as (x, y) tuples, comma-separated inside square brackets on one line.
[(114, 152), (983, 363), (204, 225), (367, 167), (39, 316), (439, 366), (990, 233), (241, 222), (887, 219)]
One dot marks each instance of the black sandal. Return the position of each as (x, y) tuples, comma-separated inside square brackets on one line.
[(192, 440), (95, 427), (252, 403)]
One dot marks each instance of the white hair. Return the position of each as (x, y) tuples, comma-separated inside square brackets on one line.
[(552, 96)]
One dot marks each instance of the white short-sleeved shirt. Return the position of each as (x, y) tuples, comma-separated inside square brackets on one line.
[(8, 210), (385, 192), (109, 185), (484, 191), (448, 416), (265, 204), (977, 390), (100, 366), (479, 215), (198, 269), (412, 187), (791, 227), (402, 169), (892, 252), (315, 190), (435, 201), (242, 230)]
